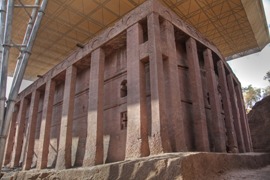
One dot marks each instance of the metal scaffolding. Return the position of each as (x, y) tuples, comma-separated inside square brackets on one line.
[(2, 89), (70, 23), (3, 72), (7, 107)]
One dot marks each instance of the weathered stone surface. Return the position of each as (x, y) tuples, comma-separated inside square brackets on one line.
[(198, 111), (259, 123), (158, 141), (137, 121), (232, 142), (32, 127), (18, 138), (142, 87), (94, 143), (187, 166), (65, 139), (216, 129), (260, 174)]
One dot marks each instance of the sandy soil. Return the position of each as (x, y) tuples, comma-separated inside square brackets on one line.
[(258, 174)]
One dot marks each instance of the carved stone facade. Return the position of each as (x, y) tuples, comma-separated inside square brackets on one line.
[(150, 84)]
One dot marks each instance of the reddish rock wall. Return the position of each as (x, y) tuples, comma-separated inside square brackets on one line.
[(148, 85), (259, 122)]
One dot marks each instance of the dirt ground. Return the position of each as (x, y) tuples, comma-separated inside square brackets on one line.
[(258, 174)]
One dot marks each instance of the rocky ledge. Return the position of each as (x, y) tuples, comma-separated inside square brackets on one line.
[(187, 166)]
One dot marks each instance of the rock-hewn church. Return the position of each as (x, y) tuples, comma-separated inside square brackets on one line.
[(150, 84)]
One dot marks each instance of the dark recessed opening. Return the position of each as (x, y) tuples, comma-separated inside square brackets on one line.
[(123, 89)]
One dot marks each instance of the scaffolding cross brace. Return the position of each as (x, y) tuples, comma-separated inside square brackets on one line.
[(7, 107)]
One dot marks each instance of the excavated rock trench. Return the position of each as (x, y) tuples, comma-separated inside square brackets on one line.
[(259, 123), (187, 166)]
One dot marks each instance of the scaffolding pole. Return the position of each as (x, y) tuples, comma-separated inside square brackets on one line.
[(16, 81), (19, 73), (3, 72), (25, 40), (2, 30)]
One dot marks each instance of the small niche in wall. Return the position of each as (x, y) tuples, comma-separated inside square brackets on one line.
[(144, 25), (123, 122), (208, 98), (123, 89)]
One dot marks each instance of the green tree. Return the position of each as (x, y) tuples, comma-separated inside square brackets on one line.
[(266, 92), (267, 76), (251, 96)]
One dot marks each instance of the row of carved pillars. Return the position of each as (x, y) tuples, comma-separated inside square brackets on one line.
[(140, 142), (234, 137), (95, 110)]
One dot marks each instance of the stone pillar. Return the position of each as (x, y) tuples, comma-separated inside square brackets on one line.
[(249, 135), (247, 124), (199, 117), (243, 120), (174, 104), (65, 139), (33, 112), (25, 137), (45, 128), (217, 130), (137, 144), (94, 142), (18, 139), (235, 113), (158, 140), (246, 120), (10, 137), (231, 138)]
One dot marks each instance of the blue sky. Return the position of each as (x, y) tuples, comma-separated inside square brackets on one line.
[(251, 69)]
